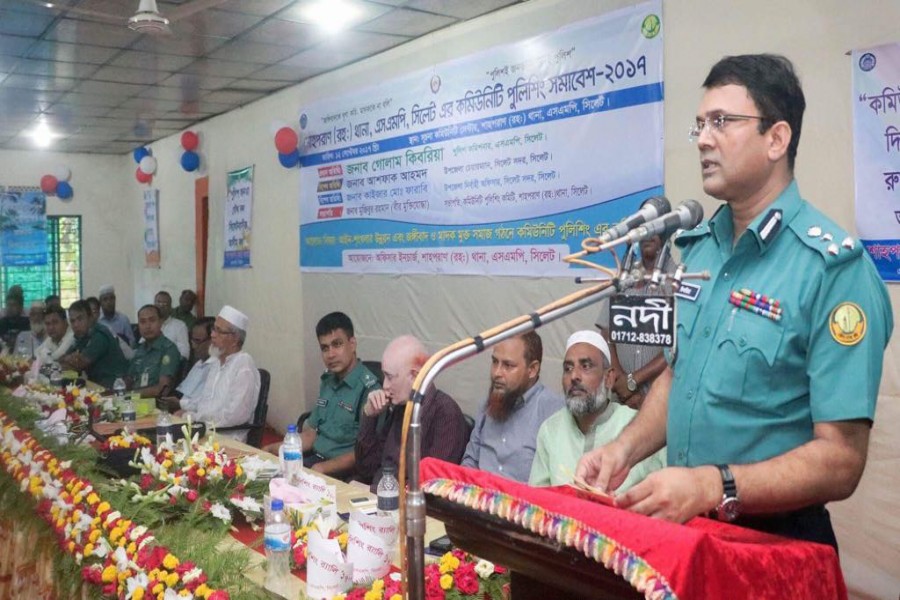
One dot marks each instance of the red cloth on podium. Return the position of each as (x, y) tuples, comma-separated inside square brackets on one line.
[(701, 559)]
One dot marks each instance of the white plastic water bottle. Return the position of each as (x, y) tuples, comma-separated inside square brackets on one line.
[(292, 451), (56, 378), (163, 430), (278, 546), (388, 492), (129, 413), (119, 389)]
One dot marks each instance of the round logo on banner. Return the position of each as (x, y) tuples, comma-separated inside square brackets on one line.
[(847, 324), (867, 62), (651, 26), (435, 83)]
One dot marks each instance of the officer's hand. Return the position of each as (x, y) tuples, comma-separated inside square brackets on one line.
[(621, 385), (675, 493), (168, 403), (376, 403), (605, 468)]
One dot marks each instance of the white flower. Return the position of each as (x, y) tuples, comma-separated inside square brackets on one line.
[(173, 595), (102, 547), (484, 568), (138, 581), (137, 532), (219, 511), (247, 504), (191, 575)]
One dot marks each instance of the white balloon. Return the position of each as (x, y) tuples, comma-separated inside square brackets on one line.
[(148, 165), (62, 173)]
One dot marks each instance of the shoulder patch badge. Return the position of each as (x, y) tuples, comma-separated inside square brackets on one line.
[(847, 324)]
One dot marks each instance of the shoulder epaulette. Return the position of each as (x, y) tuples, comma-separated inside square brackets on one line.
[(822, 235)]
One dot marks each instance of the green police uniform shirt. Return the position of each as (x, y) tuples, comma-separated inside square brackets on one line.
[(748, 386), (337, 413), (101, 347), (153, 360)]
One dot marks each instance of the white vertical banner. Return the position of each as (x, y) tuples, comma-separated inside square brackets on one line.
[(238, 218), (151, 229), (876, 154)]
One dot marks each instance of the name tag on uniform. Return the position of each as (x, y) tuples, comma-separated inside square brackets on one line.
[(321, 402), (145, 379), (688, 291)]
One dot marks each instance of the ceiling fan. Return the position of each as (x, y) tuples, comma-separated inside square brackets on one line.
[(147, 19)]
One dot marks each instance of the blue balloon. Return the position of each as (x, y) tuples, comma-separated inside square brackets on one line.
[(190, 160), (289, 161), (64, 190), (140, 153)]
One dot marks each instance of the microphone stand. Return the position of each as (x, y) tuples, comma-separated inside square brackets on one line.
[(412, 501)]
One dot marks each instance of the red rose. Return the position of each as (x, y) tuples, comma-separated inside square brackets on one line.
[(300, 556), (499, 570), (173, 500), (146, 481), (229, 470), (192, 495), (219, 595), (433, 589), (357, 594), (207, 505), (466, 578)]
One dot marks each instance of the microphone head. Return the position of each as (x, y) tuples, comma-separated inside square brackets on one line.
[(660, 204), (691, 213)]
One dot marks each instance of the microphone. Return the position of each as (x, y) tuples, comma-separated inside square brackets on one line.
[(687, 216), (652, 208)]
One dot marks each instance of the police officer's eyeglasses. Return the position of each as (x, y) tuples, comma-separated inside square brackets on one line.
[(717, 123)]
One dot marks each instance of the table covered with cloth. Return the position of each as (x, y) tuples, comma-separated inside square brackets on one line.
[(702, 558)]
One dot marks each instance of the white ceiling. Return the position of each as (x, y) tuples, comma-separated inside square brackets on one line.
[(106, 89)]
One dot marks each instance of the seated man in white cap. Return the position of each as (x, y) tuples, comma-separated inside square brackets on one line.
[(115, 321), (231, 390), (590, 419)]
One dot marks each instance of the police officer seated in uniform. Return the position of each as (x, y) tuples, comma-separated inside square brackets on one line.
[(156, 362), (96, 349), (329, 434), (767, 406)]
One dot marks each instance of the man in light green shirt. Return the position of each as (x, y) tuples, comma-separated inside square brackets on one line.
[(589, 419)]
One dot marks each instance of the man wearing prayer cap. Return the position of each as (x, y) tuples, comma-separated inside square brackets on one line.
[(116, 321), (589, 419), (231, 390)]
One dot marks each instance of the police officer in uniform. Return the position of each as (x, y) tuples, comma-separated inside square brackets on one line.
[(769, 396), (329, 434), (156, 360)]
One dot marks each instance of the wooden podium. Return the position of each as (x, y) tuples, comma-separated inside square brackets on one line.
[(540, 569)]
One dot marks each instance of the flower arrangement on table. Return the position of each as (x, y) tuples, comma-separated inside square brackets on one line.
[(76, 401), (127, 440), (195, 480), (121, 557), (300, 539), (457, 576), (13, 369)]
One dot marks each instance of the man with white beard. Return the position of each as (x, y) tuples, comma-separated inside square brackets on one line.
[(590, 418)]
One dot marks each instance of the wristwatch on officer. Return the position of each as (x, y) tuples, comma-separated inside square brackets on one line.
[(630, 383), (729, 508)]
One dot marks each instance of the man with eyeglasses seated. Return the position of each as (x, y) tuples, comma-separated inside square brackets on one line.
[(201, 336), (231, 390), (766, 407), (444, 431), (329, 434)]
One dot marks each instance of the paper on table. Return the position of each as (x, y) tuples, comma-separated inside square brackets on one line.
[(370, 545), (327, 571)]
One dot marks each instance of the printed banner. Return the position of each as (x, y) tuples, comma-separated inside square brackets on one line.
[(23, 228), (151, 229), (876, 154), (238, 218), (497, 163)]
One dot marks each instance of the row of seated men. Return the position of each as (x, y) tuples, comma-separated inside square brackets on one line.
[(221, 388), (525, 430)]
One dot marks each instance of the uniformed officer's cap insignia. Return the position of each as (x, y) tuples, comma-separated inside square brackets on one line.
[(847, 324), (166, 360), (770, 225)]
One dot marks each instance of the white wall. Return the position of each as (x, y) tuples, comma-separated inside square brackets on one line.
[(284, 305), (107, 213)]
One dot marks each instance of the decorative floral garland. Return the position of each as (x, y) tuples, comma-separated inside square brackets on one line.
[(13, 369), (561, 528), (125, 559)]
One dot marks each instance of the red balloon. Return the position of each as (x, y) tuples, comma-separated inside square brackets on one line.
[(189, 140), (48, 184), (142, 177), (286, 140)]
